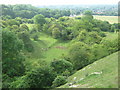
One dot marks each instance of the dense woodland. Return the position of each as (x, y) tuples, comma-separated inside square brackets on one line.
[(24, 24)]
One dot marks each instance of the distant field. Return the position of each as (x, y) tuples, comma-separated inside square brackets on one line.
[(110, 19)]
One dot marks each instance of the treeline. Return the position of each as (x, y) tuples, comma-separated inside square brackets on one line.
[(87, 44), (29, 11), (108, 10)]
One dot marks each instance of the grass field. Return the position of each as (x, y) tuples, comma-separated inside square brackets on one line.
[(110, 19), (101, 74), (111, 36), (46, 49)]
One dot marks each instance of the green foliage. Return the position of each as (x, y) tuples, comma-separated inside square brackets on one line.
[(15, 28), (107, 68), (39, 19), (112, 28), (6, 80), (60, 66), (99, 51), (19, 19), (41, 77), (56, 33), (20, 82), (24, 28), (102, 34), (26, 40), (11, 22), (12, 57), (89, 37), (59, 80), (79, 54), (111, 45), (83, 46), (105, 26), (33, 29), (35, 37), (88, 15)]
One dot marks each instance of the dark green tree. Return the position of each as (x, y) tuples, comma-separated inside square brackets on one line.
[(61, 66), (41, 77), (11, 54), (39, 19), (79, 55)]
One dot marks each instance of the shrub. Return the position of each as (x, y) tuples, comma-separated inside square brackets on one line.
[(59, 80), (35, 37), (79, 55), (61, 66), (41, 77), (6, 80), (20, 82), (111, 45), (99, 51)]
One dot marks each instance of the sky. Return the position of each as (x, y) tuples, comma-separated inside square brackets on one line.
[(58, 2)]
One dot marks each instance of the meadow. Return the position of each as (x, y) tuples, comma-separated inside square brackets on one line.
[(110, 19)]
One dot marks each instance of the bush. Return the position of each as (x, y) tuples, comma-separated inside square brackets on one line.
[(6, 80), (61, 66), (35, 37), (59, 80), (41, 77), (102, 34), (20, 82), (111, 45), (99, 51), (79, 55)]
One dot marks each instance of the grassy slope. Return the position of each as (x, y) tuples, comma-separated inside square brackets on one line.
[(111, 36), (110, 19), (40, 52), (107, 79)]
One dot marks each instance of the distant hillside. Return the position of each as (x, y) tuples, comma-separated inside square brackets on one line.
[(100, 74)]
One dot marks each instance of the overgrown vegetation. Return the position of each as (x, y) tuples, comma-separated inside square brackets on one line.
[(42, 51)]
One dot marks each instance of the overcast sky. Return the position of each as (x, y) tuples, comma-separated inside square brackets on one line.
[(58, 2)]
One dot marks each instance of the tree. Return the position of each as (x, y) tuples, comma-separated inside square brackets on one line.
[(89, 37), (24, 28), (19, 19), (11, 22), (88, 15), (99, 51), (112, 28), (41, 77), (11, 54), (56, 33), (15, 28), (61, 66), (79, 55), (39, 19)]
